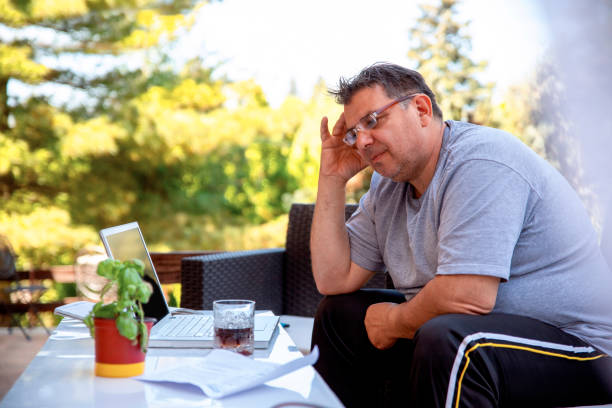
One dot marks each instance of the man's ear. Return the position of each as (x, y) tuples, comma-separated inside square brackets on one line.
[(424, 109)]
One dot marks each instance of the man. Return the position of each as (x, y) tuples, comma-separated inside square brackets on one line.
[(503, 297)]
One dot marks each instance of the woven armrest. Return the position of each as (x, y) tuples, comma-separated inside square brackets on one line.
[(256, 275)]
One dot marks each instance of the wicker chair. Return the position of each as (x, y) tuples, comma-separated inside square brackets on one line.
[(277, 279)]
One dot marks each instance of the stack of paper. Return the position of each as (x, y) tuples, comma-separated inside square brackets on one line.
[(223, 372)]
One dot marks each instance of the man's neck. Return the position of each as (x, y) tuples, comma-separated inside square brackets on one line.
[(420, 185)]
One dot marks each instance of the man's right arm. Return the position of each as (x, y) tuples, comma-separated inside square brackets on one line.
[(334, 273)]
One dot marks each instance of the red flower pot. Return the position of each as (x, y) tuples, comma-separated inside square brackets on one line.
[(116, 356)]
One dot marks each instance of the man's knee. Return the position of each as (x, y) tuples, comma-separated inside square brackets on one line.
[(439, 338), (437, 328)]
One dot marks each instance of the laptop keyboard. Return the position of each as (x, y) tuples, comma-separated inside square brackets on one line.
[(188, 326)]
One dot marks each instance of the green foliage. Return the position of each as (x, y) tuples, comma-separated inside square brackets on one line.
[(441, 50), (16, 62), (132, 292), (55, 161), (201, 163), (82, 28), (44, 236)]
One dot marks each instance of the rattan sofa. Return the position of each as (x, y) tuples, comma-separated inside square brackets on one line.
[(277, 279)]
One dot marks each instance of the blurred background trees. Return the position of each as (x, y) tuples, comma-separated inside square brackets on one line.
[(99, 126), (69, 166), (441, 47), (196, 161)]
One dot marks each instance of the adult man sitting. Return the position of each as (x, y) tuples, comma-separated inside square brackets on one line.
[(503, 297)]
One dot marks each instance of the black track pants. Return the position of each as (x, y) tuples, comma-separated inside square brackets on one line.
[(456, 360)]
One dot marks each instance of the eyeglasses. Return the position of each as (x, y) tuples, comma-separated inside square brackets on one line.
[(370, 120)]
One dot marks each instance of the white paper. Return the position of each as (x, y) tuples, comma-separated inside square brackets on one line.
[(76, 310), (223, 372)]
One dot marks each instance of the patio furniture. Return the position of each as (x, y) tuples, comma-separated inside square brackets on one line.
[(277, 279), (16, 299)]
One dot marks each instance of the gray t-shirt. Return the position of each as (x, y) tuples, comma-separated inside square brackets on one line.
[(493, 208)]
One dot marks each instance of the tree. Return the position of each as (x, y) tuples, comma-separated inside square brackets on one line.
[(106, 29), (49, 152), (201, 163), (440, 48)]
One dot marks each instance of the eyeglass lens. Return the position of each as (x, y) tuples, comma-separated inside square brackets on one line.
[(350, 137), (365, 123)]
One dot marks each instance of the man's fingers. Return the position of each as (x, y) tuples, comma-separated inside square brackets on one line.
[(324, 128), (340, 126)]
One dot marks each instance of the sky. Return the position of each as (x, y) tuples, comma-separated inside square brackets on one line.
[(278, 42)]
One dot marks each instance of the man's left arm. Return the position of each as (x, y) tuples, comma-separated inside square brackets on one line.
[(445, 294), (485, 204)]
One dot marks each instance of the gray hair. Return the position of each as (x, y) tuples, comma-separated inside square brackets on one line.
[(396, 81)]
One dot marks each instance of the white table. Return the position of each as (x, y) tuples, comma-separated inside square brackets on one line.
[(62, 375)]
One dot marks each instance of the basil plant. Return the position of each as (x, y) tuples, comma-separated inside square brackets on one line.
[(132, 292)]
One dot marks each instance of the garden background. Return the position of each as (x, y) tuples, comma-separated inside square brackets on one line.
[(203, 161)]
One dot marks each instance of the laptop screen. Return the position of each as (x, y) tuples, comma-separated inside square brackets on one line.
[(126, 242)]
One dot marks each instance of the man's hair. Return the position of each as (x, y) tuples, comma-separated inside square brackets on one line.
[(396, 81)]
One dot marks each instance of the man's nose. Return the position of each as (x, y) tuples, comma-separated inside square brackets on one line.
[(364, 138)]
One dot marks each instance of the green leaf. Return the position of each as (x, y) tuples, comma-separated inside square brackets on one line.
[(108, 311), (108, 268), (143, 293), (138, 265), (125, 304), (89, 322), (127, 326), (144, 338), (106, 288), (129, 276), (131, 290)]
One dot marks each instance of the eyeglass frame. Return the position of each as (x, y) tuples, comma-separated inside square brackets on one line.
[(350, 137)]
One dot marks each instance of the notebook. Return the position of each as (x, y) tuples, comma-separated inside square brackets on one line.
[(183, 327)]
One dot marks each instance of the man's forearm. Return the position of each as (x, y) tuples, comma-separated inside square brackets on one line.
[(466, 294), (329, 244)]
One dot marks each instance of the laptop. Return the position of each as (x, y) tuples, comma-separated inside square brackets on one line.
[(173, 329)]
